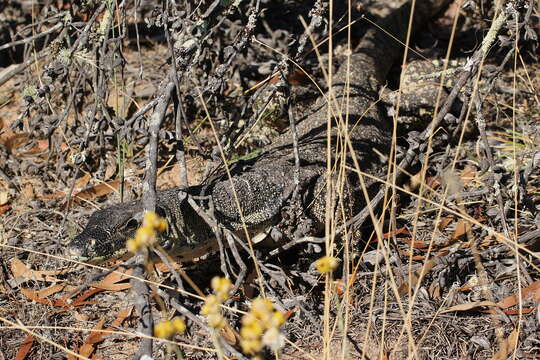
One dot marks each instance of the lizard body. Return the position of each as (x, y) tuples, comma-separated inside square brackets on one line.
[(265, 185)]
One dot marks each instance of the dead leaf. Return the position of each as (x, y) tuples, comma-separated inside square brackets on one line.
[(452, 181), (117, 276), (20, 270), (86, 350), (4, 209), (32, 295), (414, 244), (289, 313), (340, 285), (511, 312), (80, 317), (468, 306), (41, 146), (229, 334), (462, 227), (89, 193), (414, 182), (468, 174), (507, 346), (51, 290), (111, 287), (444, 222), (108, 281), (98, 190), (410, 282), (163, 268), (11, 140), (79, 301), (82, 182), (530, 292), (27, 192), (25, 347), (121, 316), (169, 177), (95, 336)]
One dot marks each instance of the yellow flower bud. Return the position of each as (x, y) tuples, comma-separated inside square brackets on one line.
[(277, 320), (251, 346), (164, 330), (216, 320), (221, 286), (273, 339), (326, 264), (262, 309), (161, 225), (150, 219), (251, 330), (133, 245), (211, 305), (179, 325), (146, 236)]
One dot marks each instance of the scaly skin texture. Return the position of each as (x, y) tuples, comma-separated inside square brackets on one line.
[(265, 185)]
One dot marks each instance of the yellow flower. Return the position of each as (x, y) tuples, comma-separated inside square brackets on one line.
[(277, 320), (146, 236), (153, 221), (273, 339), (164, 330), (216, 320), (262, 309), (326, 264), (251, 330), (179, 325), (251, 346), (260, 326), (221, 287), (133, 245), (211, 305)]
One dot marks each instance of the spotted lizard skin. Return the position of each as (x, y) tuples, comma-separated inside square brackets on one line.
[(264, 186)]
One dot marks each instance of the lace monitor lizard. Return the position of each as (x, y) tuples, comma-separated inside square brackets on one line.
[(265, 185)]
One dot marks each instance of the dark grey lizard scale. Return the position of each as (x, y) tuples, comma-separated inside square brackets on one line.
[(264, 189)]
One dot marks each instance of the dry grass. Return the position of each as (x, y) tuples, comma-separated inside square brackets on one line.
[(438, 243)]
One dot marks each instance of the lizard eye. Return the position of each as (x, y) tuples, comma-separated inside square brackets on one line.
[(131, 225)]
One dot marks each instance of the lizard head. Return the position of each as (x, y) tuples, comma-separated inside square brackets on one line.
[(106, 233)]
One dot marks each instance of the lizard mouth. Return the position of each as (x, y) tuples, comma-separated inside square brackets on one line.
[(88, 249), (79, 255)]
